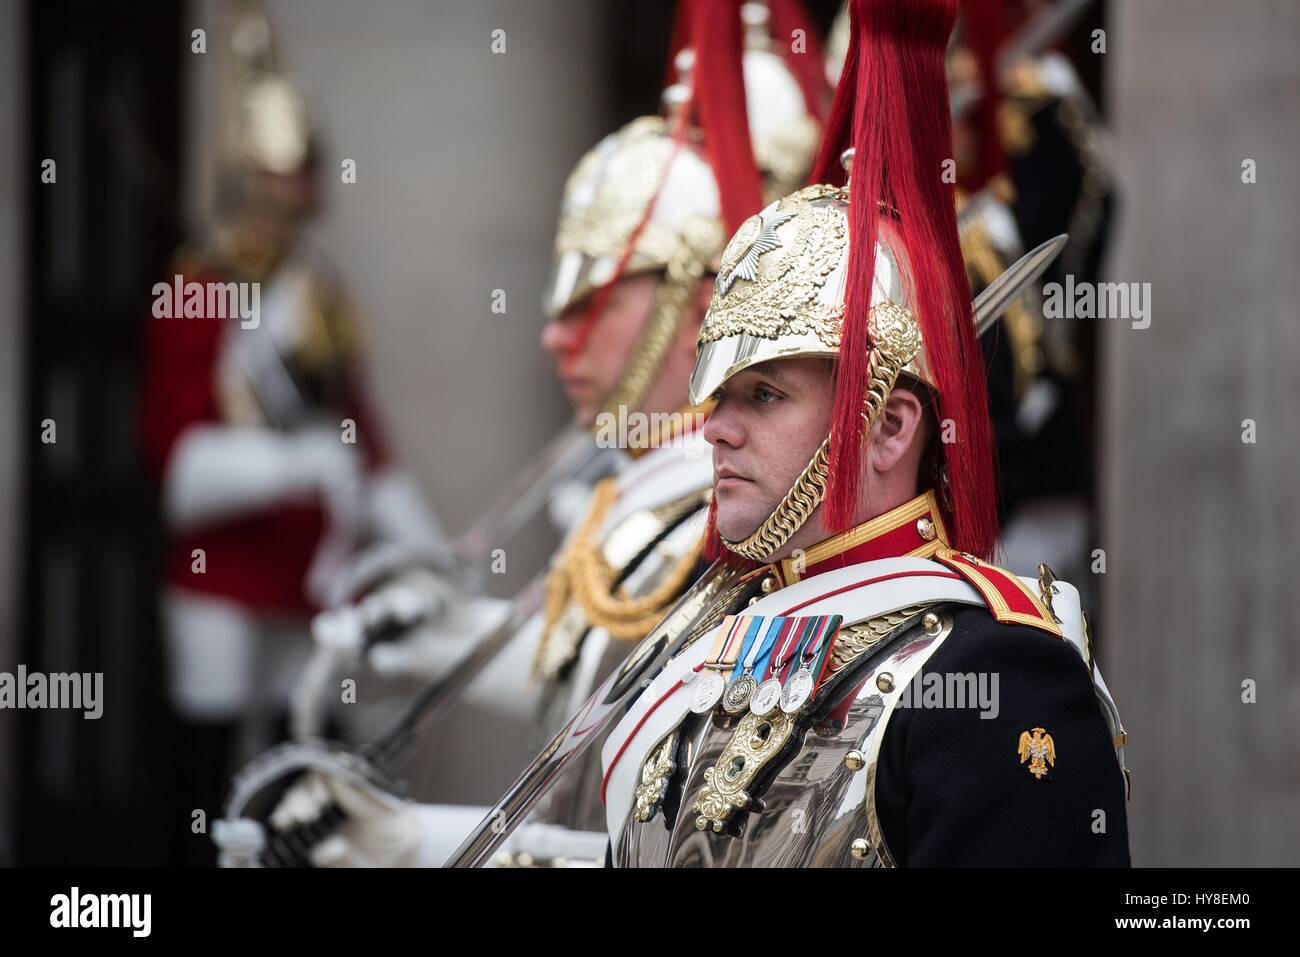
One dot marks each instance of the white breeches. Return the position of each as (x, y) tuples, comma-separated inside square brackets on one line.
[(224, 660)]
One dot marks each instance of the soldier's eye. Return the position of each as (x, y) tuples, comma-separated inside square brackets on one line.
[(765, 395)]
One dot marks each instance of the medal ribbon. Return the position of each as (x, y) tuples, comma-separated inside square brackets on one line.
[(751, 627), (788, 638), (808, 630), (726, 644), (830, 631), (814, 647), (755, 647), (775, 632)]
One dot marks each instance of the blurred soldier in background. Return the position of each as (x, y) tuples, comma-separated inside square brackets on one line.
[(273, 471), (1026, 131)]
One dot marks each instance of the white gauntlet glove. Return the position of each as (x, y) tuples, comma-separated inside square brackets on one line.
[(434, 647), (220, 471), (380, 830)]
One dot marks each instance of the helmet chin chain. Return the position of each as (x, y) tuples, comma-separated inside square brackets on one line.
[(896, 342)]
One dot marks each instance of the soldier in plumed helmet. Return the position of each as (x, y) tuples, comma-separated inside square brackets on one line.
[(876, 691)]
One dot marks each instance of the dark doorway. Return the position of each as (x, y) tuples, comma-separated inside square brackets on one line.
[(103, 95)]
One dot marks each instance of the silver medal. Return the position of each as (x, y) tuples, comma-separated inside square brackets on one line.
[(767, 697), (708, 690), (797, 691), (738, 694)]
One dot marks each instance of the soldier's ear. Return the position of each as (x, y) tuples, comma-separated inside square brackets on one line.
[(895, 431)]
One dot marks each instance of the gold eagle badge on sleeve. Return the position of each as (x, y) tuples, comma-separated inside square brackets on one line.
[(1038, 746)]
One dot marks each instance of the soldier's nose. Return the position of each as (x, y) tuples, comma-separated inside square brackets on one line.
[(556, 336), (723, 427)]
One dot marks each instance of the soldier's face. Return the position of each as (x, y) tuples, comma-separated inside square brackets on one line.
[(589, 370), (769, 421), (287, 197)]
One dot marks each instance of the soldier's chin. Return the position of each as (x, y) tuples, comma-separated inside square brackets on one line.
[(584, 414), (736, 521)]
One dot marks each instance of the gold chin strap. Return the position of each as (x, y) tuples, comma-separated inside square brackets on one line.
[(685, 269), (896, 339)]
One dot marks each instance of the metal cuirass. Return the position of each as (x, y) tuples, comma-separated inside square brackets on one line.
[(795, 791)]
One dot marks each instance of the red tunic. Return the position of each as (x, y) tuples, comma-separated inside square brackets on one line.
[(259, 559)]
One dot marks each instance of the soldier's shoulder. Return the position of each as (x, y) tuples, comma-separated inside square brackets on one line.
[(980, 641)]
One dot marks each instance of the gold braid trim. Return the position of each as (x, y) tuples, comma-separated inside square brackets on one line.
[(628, 619), (882, 375), (897, 340), (581, 574)]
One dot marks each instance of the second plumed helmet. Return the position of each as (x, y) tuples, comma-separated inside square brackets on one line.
[(661, 194)]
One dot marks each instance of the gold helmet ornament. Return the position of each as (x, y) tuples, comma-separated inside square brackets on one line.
[(276, 135), (868, 274), (647, 200), (267, 126)]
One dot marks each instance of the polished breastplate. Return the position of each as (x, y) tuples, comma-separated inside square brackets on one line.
[(804, 786)]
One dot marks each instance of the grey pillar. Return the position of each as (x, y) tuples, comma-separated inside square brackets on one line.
[(1201, 525)]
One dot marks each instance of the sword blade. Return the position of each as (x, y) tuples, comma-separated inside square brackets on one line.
[(1014, 281)]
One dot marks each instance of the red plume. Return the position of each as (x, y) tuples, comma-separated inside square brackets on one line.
[(984, 24), (892, 106), (720, 97), (718, 35)]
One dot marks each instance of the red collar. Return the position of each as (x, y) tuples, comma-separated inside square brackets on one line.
[(913, 529)]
